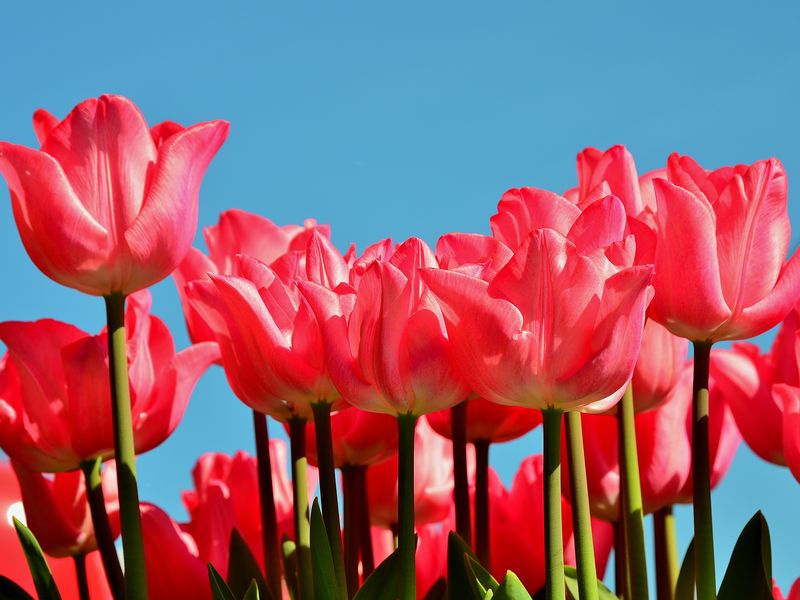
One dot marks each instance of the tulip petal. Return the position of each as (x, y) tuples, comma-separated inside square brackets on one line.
[(599, 225), (195, 266), (324, 263), (790, 396), (521, 211), (617, 168), (242, 232), (43, 124)]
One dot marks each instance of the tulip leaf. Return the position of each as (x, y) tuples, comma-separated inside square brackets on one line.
[(749, 573), (252, 591), (243, 568), (321, 558), (289, 551), (438, 590), (480, 579), (11, 591), (219, 589), (40, 571), (571, 581), (459, 578), (684, 588), (384, 583), (511, 588)]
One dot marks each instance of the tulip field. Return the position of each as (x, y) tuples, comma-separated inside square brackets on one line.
[(641, 323)]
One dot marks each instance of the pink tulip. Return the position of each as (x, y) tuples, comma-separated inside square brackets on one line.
[(794, 593), (107, 205), (516, 339), (722, 241), (660, 364), (490, 422), (57, 510), (226, 496), (359, 438), (174, 568), (477, 255), (517, 526), (238, 232), (386, 344), (55, 410), (13, 564), (433, 481)]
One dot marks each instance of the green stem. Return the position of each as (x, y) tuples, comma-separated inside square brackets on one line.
[(124, 451), (302, 526), (80, 575), (352, 525), (666, 543), (367, 556), (406, 542), (458, 433), (553, 541), (701, 481), (621, 572), (631, 498), (482, 502), (581, 517), (102, 527), (266, 495), (330, 496)]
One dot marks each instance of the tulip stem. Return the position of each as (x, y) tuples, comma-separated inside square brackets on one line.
[(352, 525), (631, 497), (102, 527), (330, 496), (482, 502), (666, 543), (553, 540), (125, 451), (621, 572), (266, 495), (367, 556), (302, 526), (701, 482), (458, 433), (80, 576), (406, 542), (581, 517)]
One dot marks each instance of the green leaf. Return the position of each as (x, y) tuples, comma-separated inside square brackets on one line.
[(749, 573), (252, 591), (571, 580), (289, 552), (684, 588), (459, 579), (11, 591), (219, 589), (480, 579), (438, 590), (321, 558), (511, 588), (243, 568), (40, 572), (384, 583)]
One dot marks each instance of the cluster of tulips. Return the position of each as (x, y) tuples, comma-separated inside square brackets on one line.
[(400, 366)]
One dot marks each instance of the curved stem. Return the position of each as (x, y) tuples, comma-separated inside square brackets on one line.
[(458, 432), (124, 451), (482, 502), (302, 526), (102, 527), (406, 542), (330, 496), (80, 576), (352, 525), (701, 479), (666, 553), (631, 497), (553, 541), (266, 495), (581, 517), (367, 556)]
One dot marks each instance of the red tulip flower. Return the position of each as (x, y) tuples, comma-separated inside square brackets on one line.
[(489, 422), (107, 205), (226, 495), (55, 410), (794, 593), (13, 564), (723, 237), (57, 511)]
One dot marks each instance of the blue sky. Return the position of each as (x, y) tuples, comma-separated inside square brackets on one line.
[(410, 119)]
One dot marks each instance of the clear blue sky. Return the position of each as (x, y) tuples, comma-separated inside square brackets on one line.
[(410, 120)]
